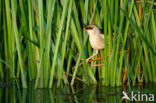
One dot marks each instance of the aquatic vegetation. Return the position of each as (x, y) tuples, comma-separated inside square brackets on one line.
[(44, 41)]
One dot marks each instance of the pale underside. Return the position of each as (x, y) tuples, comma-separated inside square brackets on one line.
[(97, 41)]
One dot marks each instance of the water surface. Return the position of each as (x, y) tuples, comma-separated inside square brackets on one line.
[(78, 93)]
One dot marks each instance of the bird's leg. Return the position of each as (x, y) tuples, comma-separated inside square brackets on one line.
[(92, 56)]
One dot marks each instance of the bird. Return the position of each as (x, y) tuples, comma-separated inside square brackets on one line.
[(96, 39)]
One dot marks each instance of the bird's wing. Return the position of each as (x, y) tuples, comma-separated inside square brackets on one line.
[(100, 41), (102, 35)]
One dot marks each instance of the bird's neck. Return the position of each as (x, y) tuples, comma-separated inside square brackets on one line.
[(92, 33)]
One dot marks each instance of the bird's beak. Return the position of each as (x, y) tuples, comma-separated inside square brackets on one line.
[(85, 29)]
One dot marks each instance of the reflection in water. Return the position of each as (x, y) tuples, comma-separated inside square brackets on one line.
[(69, 94)]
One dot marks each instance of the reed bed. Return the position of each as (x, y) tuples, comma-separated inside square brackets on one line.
[(44, 41)]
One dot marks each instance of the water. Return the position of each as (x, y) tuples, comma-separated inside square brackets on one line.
[(78, 93)]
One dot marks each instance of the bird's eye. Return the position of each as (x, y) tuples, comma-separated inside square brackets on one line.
[(89, 28)]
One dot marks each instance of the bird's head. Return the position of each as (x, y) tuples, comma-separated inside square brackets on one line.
[(91, 29)]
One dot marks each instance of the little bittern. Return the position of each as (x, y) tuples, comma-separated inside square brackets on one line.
[(96, 39)]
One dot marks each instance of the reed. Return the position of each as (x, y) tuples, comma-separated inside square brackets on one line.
[(44, 41)]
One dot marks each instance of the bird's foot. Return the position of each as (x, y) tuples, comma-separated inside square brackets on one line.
[(87, 60)]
